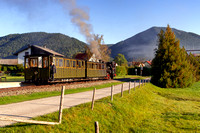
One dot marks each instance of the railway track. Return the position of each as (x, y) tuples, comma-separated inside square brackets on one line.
[(53, 86)]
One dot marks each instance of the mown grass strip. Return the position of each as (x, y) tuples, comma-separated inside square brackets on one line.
[(13, 79), (144, 110), (38, 95)]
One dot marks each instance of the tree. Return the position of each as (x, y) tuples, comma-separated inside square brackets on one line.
[(121, 60), (170, 67)]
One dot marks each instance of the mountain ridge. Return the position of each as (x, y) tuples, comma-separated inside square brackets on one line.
[(142, 45)]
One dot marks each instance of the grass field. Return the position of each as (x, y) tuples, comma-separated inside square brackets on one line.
[(148, 109), (13, 79)]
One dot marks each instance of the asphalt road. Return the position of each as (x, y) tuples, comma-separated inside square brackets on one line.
[(33, 108)]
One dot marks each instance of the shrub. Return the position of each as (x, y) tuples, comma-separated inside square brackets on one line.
[(121, 70), (4, 68)]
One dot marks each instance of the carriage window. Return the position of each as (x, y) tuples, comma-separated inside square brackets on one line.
[(74, 63), (56, 62), (83, 64), (64, 63), (60, 62), (27, 63), (45, 62), (39, 62), (103, 66), (99, 66), (68, 63), (79, 64), (34, 62)]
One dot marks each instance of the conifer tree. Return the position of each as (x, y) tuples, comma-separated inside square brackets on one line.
[(170, 67)]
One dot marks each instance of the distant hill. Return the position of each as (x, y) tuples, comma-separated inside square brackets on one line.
[(58, 42), (142, 45)]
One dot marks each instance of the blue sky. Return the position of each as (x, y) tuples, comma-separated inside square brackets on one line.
[(117, 20)]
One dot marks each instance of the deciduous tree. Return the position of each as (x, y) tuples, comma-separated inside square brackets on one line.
[(121, 60)]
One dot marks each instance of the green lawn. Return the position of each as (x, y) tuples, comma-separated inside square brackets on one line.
[(13, 79), (148, 109)]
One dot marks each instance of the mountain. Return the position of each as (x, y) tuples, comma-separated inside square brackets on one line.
[(142, 45), (58, 42)]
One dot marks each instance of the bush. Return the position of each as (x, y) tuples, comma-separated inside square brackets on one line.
[(20, 68), (4, 68), (121, 70)]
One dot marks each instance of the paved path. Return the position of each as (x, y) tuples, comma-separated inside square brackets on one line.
[(33, 108)]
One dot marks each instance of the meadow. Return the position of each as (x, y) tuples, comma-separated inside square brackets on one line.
[(147, 109)]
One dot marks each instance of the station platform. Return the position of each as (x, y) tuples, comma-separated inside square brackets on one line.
[(10, 84)]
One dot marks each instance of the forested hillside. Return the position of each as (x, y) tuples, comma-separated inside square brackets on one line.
[(58, 42)]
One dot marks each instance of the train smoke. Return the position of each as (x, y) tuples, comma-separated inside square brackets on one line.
[(80, 18)]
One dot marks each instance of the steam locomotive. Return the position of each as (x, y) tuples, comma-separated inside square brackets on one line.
[(38, 69)]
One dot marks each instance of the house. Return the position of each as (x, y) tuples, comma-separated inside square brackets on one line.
[(147, 64), (136, 64), (34, 50), (85, 56)]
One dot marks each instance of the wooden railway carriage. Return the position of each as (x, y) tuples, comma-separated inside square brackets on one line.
[(38, 69)]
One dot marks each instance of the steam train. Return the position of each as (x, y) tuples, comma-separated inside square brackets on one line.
[(38, 69)]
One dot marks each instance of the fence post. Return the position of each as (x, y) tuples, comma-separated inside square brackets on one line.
[(122, 89), (129, 87), (96, 127), (134, 85), (61, 103), (93, 98), (112, 88)]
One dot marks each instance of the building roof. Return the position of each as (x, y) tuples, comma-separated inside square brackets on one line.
[(82, 56), (48, 50), (22, 49), (8, 61), (149, 62), (35, 49)]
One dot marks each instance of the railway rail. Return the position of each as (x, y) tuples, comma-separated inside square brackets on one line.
[(53, 86)]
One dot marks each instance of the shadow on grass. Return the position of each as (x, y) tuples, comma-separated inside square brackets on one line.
[(132, 80)]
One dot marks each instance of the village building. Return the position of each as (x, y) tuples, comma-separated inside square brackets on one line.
[(34, 50), (147, 64), (85, 56)]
